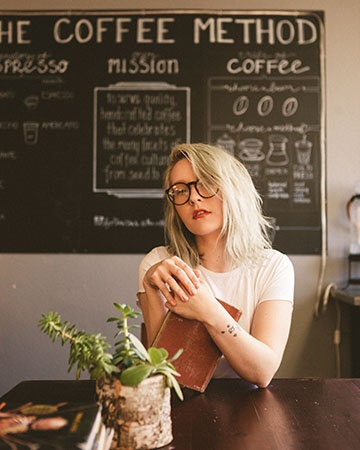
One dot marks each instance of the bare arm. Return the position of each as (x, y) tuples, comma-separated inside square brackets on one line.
[(255, 356)]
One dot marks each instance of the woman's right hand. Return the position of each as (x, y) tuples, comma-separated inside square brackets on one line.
[(174, 278)]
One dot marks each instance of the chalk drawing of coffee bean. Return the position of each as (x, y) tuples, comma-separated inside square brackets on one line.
[(290, 106), (265, 105), (240, 105)]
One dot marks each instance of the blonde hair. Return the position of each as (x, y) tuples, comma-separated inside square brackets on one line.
[(244, 227)]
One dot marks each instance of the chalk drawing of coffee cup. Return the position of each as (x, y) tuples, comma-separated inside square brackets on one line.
[(32, 101), (31, 132), (250, 150), (303, 151)]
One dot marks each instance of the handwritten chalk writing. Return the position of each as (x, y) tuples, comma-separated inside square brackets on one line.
[(136, 129), (110, 222), (112, 129), (61, 125), (154, 159), (139, 129), (143, 63), (8, 155), (30, 65), (57, 95), (276, 171), (130, 114), (9, 125), (151, 223), (148, 30), (250, 66), (159, 99), (253, 169), (140, 175), (248, 128), (159, 144), (5, 95), (302, 200), (301, 193), (133, 146), (301, 172), (149, 173), (121, 98), (260, 31), (168, 115), (278, 190), (116, 160), (278, 195), (115, 222), (148, 130), (270, 88), (114, 174), (126, 160), (301, 128)]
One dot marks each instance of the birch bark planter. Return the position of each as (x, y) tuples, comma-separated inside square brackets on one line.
[(140, 415)]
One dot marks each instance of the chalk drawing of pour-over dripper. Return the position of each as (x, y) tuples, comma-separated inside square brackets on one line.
[(277, 154)]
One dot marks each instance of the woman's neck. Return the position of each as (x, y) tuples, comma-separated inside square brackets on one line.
[(212, 254)]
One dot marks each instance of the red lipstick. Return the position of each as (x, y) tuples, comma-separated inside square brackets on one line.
[(199, 213)]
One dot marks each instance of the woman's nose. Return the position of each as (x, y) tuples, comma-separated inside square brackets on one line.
[(194, 196)]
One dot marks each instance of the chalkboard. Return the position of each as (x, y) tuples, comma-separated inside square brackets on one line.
[(91, 104)]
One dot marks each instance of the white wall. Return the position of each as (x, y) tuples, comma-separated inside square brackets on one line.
[(83, 287)]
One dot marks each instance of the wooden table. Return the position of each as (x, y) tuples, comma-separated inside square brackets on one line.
[(290, 414)]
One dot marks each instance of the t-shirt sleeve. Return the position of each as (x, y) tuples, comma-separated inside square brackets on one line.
[(278, 279), (154, 256)]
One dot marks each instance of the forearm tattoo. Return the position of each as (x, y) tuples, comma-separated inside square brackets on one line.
[(232, 329)]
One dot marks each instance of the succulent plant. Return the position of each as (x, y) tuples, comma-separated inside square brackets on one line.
[(131, 362)]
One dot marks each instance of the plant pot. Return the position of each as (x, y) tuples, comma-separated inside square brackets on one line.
[(140, 415)]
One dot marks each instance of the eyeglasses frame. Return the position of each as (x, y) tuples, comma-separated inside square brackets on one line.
[(191, 183)]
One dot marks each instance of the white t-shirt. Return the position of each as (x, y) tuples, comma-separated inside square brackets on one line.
[(245, 288)]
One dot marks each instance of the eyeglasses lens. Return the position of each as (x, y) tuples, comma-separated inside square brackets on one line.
[(179, 193)]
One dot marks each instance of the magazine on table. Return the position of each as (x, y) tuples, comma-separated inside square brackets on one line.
[(62, 425)]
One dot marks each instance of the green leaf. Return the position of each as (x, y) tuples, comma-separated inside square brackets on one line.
[(177, 354), (139, 347), (173, 382), (157, 355), (135, 375)]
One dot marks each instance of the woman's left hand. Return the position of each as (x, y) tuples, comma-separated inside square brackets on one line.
[(200, 306)]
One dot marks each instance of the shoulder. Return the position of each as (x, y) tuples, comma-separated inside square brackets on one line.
[(276, 277), (274, 258), (275, 268), (154, 256)]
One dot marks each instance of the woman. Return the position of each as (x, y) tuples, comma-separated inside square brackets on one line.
[(219, 249)]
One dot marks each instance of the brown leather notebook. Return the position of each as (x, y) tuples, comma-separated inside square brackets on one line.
[(200, 356)]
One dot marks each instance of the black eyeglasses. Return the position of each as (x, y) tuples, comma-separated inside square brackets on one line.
[(179, 193)]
